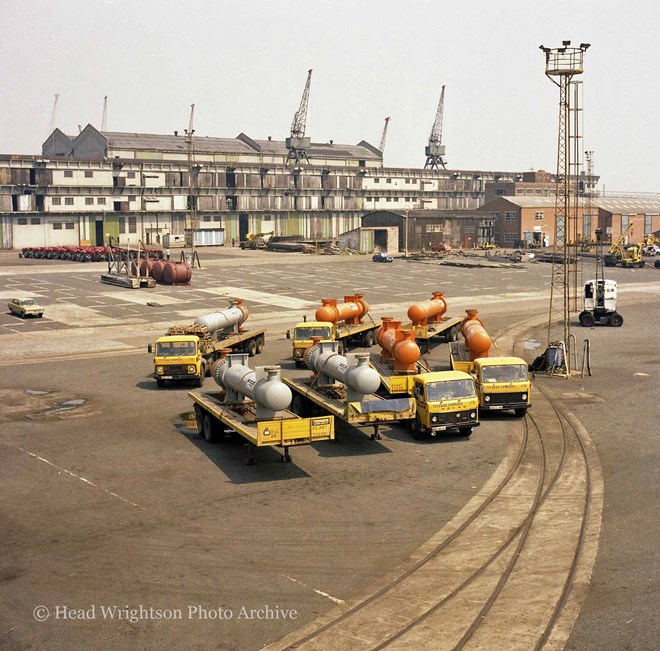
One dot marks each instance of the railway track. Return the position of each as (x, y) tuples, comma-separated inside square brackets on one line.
[(509, 571)]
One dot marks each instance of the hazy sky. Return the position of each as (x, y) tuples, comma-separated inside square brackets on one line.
[(244, 64)]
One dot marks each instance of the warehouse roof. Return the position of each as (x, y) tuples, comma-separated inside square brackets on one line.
[(615, 205)]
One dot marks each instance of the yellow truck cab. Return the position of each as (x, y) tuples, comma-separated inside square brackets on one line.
[(446, 400), (502, 382), (302, 337), (178, 357)]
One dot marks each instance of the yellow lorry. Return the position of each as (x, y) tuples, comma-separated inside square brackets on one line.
[(502, 383)]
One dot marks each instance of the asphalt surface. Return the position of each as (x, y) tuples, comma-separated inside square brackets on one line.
[(112, 500)]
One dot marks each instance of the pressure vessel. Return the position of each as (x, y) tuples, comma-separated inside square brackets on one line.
[(429, 311), (352, 310), (398, 344), (145, 267), (231, 317), (157, 270), (360, 377), (477, 341), (176, 273), (267, 392)]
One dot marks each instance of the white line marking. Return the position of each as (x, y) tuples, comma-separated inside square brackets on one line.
[(80, 477), (323, 594), (259, 297)]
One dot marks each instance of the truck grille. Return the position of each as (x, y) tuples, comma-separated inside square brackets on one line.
[(454, 418), (176, 369), (505, 398)]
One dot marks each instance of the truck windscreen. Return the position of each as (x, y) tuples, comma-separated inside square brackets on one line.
[(449, 390), (504, 373), (309, 332), (175, 348)]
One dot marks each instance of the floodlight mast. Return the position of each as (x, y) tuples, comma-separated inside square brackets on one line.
[(561, 65)]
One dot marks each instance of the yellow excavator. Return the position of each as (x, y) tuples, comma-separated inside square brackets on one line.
[(257, 240), (626, 255)]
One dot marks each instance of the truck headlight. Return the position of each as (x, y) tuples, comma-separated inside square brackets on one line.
[(524, 396), (192, 369), (434, 419), (299, 352), (159, 370), (486, 398), (473, 415)]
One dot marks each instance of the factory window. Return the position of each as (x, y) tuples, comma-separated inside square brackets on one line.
[(418, 229), (130, 175), (500, 192), (267, 218), (389, 199), (207, 218), (510, 237), (68, 201), (362, 163), (68, 174), (369, 199), (132, 224), (376, 180), (57, 226), (89, 201), (217, 218), (469, 229), (89, 174), (122, 224), (407, 181), (434, 228), (510, 216), (496, 237), (101, 201), (69, 227), (35, 221), (495, 216), (538, 216), (388, 180), (648, 224), (22, 221), (56, 201)]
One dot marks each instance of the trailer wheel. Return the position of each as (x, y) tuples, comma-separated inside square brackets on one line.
[(260, 344), (251, 348), (616, 320), (587, 319), (299, 406), (199, 419), (209, 428), (368, 339), (454, 333)]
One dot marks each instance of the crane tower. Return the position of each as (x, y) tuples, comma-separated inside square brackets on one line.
[(561, 65), (384, 136), (435, 150), (297, 143)]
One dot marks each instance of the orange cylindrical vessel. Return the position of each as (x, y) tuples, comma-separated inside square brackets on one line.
[(398, 344), (477, 341), (176, 273), (352, 310), (430, 311)]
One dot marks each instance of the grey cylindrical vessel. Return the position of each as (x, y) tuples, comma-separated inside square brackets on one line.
[(360, 377), (231, 317), (268, 392)]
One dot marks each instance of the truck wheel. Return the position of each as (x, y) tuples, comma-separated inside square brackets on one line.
[(520, 413), (368, 339), (298, 363), (616, 320), (199, 381), (160, 382), (209, 428), (587, 319), (454, 333), (260, 344), (418, 432), (251, 348), (464, 431)]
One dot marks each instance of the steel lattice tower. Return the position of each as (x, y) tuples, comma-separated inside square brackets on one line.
[(561, 65)]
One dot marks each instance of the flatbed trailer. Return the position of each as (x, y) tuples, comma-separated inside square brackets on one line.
[(393, 383), (359, 334), (372, 411), (446, 330), (215, 418)]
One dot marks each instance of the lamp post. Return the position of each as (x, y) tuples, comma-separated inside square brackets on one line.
[(405, 235)]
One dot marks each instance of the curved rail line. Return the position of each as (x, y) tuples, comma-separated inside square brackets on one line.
[(529, 458)]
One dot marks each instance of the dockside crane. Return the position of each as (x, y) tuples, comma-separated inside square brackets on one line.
[(297, 143), (384, 136), (104, 119), (52, 115), (435, 150)]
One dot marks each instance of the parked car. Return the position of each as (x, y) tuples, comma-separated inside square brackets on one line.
[(25, 307), (382, 257)]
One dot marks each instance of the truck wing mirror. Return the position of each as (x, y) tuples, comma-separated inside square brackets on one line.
[(288, 334), (150, 348)]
